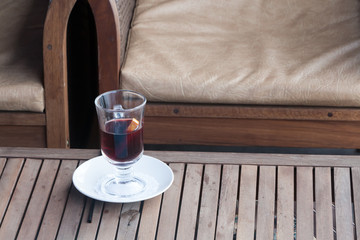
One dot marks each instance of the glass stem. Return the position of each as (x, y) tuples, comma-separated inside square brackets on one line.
[(124, 174)]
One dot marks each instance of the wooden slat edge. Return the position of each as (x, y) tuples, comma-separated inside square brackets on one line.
[(253, 112), (49, 153), (22, 118), (256, 158), (197, 157)]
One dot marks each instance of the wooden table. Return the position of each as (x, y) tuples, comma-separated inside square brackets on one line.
[(214, 195)]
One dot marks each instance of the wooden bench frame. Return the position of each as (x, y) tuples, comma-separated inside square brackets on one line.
[(208, 124), (50, 128)]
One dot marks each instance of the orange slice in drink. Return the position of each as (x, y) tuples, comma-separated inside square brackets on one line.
[(133, 125)]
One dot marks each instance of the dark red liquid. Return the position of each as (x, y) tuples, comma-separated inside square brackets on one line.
[(119, 144)]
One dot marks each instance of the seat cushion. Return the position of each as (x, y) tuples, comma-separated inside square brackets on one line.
[(284, 52), (21, 74)]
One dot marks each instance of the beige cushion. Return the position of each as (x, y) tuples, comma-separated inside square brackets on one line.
[(244, 51), (21, 74)]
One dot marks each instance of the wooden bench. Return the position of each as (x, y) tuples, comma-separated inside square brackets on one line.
[(220, 124)]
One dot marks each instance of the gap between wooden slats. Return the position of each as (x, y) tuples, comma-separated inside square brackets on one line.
[(343, 208), (247, 203), (209, 202), (55, 208), (19, 200), (227, 204), (304, 203), (355, 172), (39, 198), (323, 200), (170, 204), (8, 181), (285, 204), (190, 202)]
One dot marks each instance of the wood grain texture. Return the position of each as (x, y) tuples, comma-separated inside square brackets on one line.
[(285, 203), (108, 39), (252, 132), (323, 197), (209, 202), (190, 202), (20, 198), (256, 158), (247, 203), (39, 199), (149, 218), (50, 153), (8, 181), (22, 119), (343, 205), (89, 230), (55, 73), (227, 203), (170, 205), (109, 221), (304, 203), (189, 110), (72, 214), (57, 202), (355, 173), (129, 221), (23, 136), (266, 203)]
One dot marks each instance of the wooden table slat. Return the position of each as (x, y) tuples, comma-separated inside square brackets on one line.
[(190, 202), (149, 218), (39, 200), (266, 203), (170, 204), (247, 203), (304, 203), (57, 201), (324, 216), (2, 165), (72, 214), (356, 192), (227, 204), (89, 230), (7, 184), (129, 221), (109, 221), (343, 208), (285, 204), (20, 198), (209, 202)]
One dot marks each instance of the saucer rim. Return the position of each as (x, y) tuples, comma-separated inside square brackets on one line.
[(92, 193)]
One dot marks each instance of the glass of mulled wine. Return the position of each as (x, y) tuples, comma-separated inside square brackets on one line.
[(120, 115)]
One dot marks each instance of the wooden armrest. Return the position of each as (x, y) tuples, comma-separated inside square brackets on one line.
[(112, 20), (55, 72)]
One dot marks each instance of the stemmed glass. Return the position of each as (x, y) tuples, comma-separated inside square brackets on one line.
[(120, 115)]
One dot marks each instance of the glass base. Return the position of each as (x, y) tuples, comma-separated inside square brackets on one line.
[(122, 188)]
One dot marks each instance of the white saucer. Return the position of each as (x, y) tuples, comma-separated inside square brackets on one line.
[(158, 175)]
